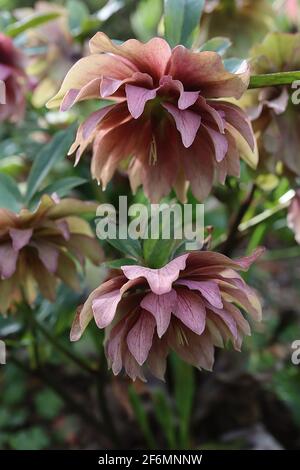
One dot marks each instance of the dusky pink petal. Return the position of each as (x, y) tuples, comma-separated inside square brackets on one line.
[(209, 289), (190, 309), (219, 143), (139, 338), (161, 307), (187, 123), (137, 97), (20, 237), (8, 260), (159, 280)]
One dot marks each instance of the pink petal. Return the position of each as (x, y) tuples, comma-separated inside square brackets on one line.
[(48, 254), (137, 98), (159, 280), (20, 238), (8, 260), (186, 98), (161, 307), (187, 123), (105, 305), (190, 310), (198, 161), (219, 143), (227, 319), (139, 338), (93, 120), (209, 289), (69, 99), (109, 86)]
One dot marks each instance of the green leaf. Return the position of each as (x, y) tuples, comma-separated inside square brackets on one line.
[(128, 246), (141, 417), (157, 252), (61, 187), (118, 263), (218, 44), (78, 13), (33, 21), (50, 154), (10, 196), (165, 416), (182, 17), (184, 395), (145, 19)]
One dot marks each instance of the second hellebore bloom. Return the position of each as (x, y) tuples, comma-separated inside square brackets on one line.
[(167, 124), (190, 305)]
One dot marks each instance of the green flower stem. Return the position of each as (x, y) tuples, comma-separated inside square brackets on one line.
[(65, 351), (273, 79)]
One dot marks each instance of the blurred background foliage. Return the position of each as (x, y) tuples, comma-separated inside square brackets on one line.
[(252, 399)]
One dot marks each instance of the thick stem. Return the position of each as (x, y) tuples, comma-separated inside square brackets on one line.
[(273, 79)]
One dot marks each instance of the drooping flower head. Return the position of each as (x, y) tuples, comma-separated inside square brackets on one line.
[(165, 122), (275, 118), (190, 305), (13, 81), (293, 218), (37, 248)]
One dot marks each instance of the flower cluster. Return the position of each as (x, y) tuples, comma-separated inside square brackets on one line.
[(13, 77), (36, 248), (190, 306), (169, 122)]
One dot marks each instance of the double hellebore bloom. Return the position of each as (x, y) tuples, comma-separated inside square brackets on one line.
[(167, 124), (13, 81), (36, 248), (190, 305)]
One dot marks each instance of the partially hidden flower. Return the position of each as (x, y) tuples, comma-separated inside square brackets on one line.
[(293, 218), (275, 118), (168, 124), (189, 306), (38, 248), (54, 46), (245, 22), (13, 81)]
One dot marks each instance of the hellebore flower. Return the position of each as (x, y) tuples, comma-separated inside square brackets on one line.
[(190, 305), (275, 118), (13, 81), (293, 218), (167, 122), (55, 46), (36, 248)]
